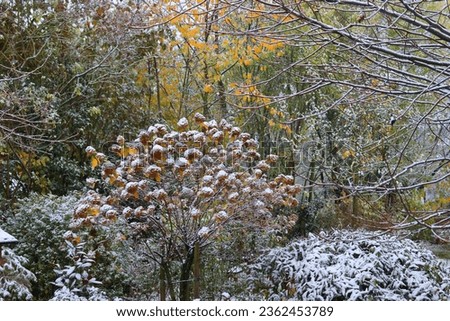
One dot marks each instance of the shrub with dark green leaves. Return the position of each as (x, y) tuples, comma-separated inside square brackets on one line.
[(39, 223), (346, 265), (74, 281), (42, 224)]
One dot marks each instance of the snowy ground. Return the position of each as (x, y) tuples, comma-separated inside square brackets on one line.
[(446, 262), (442, 251)]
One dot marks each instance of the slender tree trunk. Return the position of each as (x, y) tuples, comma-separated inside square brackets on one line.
[(312, 173), (389, 203), (222, 99), (169, 282), (158, 87), (185, 280), (196, 268), (162, 283), (356, 203), (206, 111), (356, 210)]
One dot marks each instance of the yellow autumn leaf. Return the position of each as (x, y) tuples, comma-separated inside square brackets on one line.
[(177, 18), (198, 44), (132, 150), (188, 32), (129, 150), (94, 162), (253, 15), (93, 211), (208, 89), (112, 179), (247, 62), (265, 100), (76, 240), (257, 50), (348, 153)]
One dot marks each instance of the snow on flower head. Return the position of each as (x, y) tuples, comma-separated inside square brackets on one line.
[(221, 175), (267, 192), (161, 129), (181, 162), (220, 216), (183, 123), (157, 148), (90, 151), (120, 140), (152, 130), (207, 179), (195, 213), (199, 118), (131, 187), (160, 194), (203, 232), (259, 204), (206, 192), (192, 154), (233, 197), (211, 124)]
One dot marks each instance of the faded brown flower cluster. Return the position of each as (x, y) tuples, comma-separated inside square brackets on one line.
[(186, 184)]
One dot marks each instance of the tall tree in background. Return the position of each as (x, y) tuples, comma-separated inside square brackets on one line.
[(64, 67), (370, 62)]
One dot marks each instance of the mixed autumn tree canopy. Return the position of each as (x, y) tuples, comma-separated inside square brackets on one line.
[(179, 124)]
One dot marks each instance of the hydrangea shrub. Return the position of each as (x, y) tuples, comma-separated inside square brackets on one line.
[(178, 190)]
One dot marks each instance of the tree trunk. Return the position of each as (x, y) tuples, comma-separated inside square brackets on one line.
[(356, 210), (222, 98), (162, 284), (196, 268), (185, 281), (169, 283), (356, 204), (158, 88)]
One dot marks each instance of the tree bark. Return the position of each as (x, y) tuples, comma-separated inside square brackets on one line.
[(196, 271), (162, 284), (185, 281)]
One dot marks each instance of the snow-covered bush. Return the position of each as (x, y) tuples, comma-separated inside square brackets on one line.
[(74, 281), (39, 222), (225, 264), (15, 279), (66, 294), (349, 265)]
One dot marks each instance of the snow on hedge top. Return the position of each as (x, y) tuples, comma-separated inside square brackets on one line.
[(348, 265), (6, 238)]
